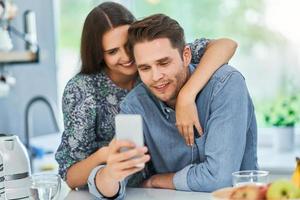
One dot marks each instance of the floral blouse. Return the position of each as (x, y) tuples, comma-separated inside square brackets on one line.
[(90, 104)]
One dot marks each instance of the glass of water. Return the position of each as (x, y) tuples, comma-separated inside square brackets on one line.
[(45, 186), (246, 177)]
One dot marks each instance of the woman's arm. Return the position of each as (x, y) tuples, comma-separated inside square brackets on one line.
[(217, 53), (78, 173), (77, 154)]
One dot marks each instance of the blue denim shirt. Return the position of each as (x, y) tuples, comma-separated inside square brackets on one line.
[(229, 142)]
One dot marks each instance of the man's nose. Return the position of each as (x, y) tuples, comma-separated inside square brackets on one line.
[(156, 74)]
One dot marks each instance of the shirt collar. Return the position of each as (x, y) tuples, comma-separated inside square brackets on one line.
[(165, 109)]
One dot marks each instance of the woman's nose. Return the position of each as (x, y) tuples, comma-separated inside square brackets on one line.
[(124, 55)]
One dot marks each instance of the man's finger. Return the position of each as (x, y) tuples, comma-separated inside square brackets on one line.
[(140, 151), (131, 171), (133, 163), (120, 144)]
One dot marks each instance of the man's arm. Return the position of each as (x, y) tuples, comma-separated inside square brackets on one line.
[(119, 187), (160, 181), (225, 137), (108, 181)]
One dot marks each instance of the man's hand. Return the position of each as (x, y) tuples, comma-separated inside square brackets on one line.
[(147, 183), (123, 164), (187, 117), (120, 165)]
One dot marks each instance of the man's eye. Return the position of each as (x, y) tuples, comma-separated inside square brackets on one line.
[(164, 63), (144, 68)]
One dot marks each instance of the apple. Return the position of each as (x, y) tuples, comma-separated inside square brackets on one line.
[(281, 190), (263, 190), (248, 192)]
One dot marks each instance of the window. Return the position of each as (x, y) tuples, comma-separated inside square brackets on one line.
[(268, 53)]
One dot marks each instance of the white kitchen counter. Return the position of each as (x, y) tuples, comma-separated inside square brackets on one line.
[(145, 194)]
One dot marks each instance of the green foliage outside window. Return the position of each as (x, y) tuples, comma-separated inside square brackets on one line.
[(284, 111)]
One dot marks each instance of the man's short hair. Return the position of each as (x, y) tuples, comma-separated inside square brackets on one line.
[(155, 27)]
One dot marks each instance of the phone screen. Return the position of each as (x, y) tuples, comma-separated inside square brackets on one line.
[(130, 127)]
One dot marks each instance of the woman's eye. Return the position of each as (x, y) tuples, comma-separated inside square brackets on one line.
[(112, 52)]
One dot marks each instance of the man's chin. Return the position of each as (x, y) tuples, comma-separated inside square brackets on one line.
[(162, 97)]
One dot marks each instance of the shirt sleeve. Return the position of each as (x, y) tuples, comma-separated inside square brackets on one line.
[(79, 136), (133, 180), (225, 138), (198, 48), (94, 190)]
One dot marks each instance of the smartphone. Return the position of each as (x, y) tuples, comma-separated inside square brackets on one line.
[(130, 127)]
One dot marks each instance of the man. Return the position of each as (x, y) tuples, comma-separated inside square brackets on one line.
[(225, 111)]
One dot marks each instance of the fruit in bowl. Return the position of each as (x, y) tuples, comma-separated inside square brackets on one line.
[(282, 189), (278, 190), (249, 192), (296, 174), (245, 192)]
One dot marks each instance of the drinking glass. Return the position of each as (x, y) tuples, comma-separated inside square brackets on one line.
[(246, 177), (45, 186)]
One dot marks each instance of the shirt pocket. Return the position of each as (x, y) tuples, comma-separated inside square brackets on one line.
[(200, 147)]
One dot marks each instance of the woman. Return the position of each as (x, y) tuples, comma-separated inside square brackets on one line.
[(91, 99)]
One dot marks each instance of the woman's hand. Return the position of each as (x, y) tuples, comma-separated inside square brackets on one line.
[(187, 117)]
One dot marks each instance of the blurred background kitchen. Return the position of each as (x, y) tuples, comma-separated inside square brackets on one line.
[(39, 53)]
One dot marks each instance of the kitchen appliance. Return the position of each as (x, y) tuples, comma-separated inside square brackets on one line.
[(2, 186), (16, 167)]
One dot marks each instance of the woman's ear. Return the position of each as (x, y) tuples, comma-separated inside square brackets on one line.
[(186, 55)]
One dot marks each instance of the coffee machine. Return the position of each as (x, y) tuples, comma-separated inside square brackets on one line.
[(16, 167)]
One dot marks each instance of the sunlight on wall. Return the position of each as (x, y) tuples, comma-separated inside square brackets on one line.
[(283, 16)]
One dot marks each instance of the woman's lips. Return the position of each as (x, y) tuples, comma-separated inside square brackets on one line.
[(128, 64)]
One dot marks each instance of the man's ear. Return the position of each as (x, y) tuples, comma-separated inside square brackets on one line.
[(186, 55)]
